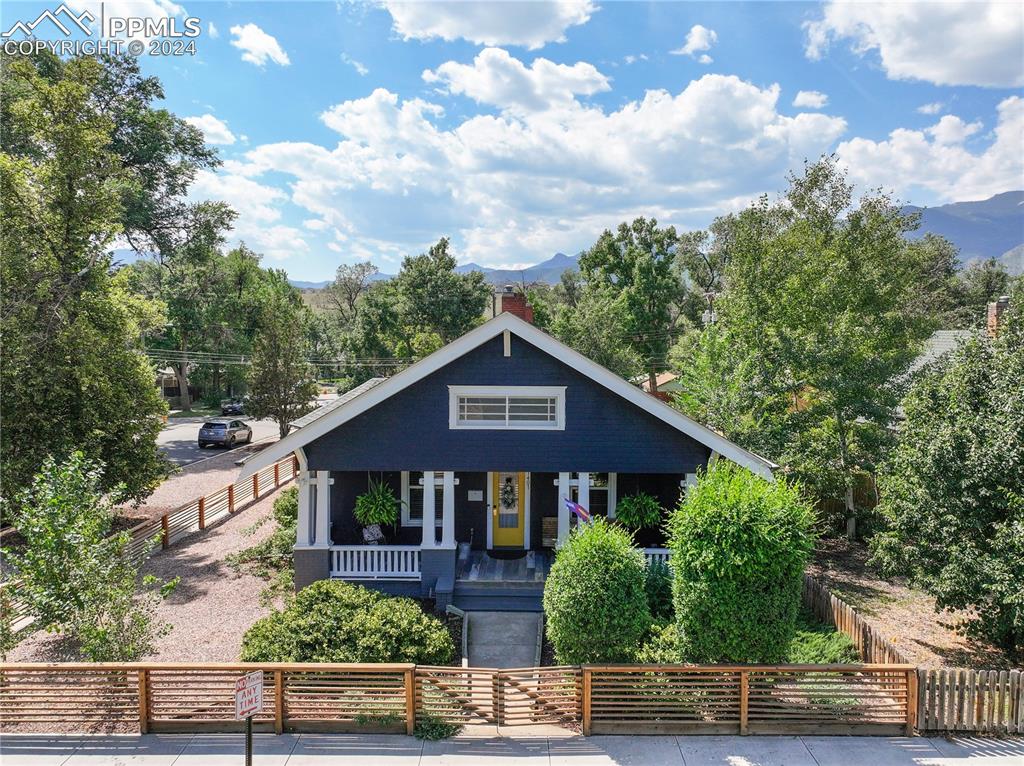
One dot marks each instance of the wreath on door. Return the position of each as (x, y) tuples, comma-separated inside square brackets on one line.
[(508, 494)]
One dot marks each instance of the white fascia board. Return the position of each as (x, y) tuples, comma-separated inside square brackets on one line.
[(529, 333)]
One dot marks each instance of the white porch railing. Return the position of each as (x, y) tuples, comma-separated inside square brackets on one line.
[(376, 562), (657, 554)]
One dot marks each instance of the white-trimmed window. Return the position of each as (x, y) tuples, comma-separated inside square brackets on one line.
[(412, 499), (507, 407)]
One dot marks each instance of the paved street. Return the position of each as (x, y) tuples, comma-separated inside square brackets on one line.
[(178, 438), (544, 748)]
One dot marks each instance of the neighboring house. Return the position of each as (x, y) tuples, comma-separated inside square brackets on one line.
[(665, 384), (482, 441), (938, 345)]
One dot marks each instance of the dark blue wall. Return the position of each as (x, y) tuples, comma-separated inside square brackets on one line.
[(409, 431)]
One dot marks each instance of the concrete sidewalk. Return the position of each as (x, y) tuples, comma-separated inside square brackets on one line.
[(504, 639), (484, 748)]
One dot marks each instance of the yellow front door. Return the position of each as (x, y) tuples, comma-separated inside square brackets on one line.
[(508, 508)]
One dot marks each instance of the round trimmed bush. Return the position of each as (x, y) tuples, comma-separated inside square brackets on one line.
[(594, 599), (335, 621), (739, 548)]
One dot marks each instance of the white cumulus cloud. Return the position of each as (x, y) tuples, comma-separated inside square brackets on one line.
[(931, 108), (548, 172), (215, 131), (530, 24), (698, 39), (497, 78), (937, 161), (810, 99), (948, 43), (257, 46)]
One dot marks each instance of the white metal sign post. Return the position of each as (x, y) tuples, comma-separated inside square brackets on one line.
[(248, 702)]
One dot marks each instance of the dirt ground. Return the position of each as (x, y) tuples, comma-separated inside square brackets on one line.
[(211, 608), (905, 616)]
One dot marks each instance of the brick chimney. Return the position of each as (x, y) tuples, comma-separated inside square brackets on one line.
[(995, 314), (515, 303)]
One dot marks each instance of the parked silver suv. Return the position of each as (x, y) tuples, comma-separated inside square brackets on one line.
[(225, 432)]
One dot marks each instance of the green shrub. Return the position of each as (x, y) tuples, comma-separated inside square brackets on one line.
[(816, 643), (594, 598), (739, 547), (661, 646), (378, 505), (335, 621), (638, 511), (658, 585)]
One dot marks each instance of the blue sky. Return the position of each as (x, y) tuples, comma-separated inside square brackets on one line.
[(353, 131)]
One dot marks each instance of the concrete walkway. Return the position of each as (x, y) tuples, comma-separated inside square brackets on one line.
[(516, 746), (503, 639)]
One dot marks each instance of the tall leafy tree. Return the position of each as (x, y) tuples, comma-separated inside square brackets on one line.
[(979, 284), (436, 298), (427, 305), (282, 384), (71, 373), (953, 489), (825, 293), (596, 327), (351, 281), (636, 264)]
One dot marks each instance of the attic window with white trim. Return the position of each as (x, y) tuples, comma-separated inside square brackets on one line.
[(507, 407)]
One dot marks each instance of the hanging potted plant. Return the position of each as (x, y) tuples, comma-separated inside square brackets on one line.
[(376, 508)]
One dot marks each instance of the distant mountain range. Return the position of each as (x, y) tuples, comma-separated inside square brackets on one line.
[(549, 271), (991, 228)]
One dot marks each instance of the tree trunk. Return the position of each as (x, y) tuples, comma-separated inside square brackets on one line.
[(652, 381), (851, 511), (181, 373)]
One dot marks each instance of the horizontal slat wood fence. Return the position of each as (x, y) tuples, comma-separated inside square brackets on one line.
[(749, 699), (958, 699), (871, 645), (191, 517), (638, 699)]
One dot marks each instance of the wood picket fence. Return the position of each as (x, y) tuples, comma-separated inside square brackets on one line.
[(638, 699), (829, 608), (960, 699), (173, 527)]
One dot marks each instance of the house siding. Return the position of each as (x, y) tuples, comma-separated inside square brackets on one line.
[(410, 430)]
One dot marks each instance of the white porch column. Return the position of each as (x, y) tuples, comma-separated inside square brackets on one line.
[(564, 493), (304, 522), (429, 512), (322, 534), (448, 510), (583, 490)]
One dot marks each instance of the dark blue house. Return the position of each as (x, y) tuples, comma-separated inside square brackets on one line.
[(482, 441)]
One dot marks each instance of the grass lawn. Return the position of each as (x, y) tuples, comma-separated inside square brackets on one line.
[(905, 616)]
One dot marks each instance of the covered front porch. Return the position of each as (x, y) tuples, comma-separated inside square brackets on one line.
[(475, 530)]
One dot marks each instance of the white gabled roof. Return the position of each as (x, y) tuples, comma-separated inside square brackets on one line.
[(370, 396)]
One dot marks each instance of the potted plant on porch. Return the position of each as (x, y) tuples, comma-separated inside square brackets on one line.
[(376, 508)]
